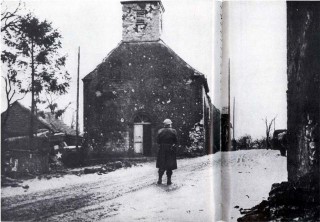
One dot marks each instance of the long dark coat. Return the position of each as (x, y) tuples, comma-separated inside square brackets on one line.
[(167, 139)]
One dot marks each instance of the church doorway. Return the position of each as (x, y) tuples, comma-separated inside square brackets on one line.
[(142, 136)]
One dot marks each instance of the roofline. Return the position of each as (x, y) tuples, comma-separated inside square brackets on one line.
[(160, 41), (103, 60), (138, 41), (36, 117), (137, 1), (172, 51), (205, 82)]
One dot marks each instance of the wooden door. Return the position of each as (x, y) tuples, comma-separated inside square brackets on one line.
[(147, 139)]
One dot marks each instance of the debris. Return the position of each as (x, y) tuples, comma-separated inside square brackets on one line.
[(90, 170), (287, 202), (7, 182), (127, 164), (25, 186)]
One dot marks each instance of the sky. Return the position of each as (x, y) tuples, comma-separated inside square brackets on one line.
[(254, 38)]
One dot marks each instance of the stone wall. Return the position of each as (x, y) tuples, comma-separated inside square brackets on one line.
[(141, 79), (141, 21), (303, 95)]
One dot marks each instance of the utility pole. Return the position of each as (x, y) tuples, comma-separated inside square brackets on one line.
[(229, 111), (77, 115), (234, 115)]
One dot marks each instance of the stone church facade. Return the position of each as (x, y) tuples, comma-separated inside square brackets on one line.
[(141, 83)]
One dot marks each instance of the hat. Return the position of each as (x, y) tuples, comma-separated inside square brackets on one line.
[(167, 122)]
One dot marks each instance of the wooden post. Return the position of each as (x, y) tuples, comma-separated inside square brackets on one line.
[(234, 112)]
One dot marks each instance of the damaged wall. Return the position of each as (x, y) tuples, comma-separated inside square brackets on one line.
[(145, 78), (303, 95), (141, 21)]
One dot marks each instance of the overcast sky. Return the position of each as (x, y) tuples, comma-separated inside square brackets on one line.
[(254, 40)]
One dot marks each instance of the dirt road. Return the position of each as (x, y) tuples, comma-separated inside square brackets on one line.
[(111, 196), (133, 195)]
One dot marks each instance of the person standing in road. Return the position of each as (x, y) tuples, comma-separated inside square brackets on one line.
[(166, 159)]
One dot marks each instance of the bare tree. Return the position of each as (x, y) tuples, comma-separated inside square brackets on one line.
[(11, 85), (10, 19), (53, 106), (268, 129)]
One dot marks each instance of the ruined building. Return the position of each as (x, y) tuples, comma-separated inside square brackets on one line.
[(303, 94), (138, 85)]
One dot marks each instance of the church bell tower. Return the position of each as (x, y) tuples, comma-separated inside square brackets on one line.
[(141, 20)]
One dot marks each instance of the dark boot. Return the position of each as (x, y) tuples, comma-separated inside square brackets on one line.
[(159, 180), (160, 177), (169, 174), (169, 180)]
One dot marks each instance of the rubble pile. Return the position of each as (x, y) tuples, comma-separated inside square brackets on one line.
[(299, 201), (196, 136), (10, 182), (106, 168)]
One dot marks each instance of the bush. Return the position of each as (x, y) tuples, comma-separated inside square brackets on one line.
[(259, 143), (244, 142)]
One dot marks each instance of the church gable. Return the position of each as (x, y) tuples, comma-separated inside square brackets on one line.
[(148, 60)]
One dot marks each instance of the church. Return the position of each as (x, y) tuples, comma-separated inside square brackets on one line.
[(139, 84)]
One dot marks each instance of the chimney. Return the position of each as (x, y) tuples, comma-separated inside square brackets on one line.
[(141, 20)]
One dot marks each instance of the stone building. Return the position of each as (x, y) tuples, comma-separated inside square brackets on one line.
[(138, 85)]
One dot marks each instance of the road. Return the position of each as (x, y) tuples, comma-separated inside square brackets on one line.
[(132, 194)]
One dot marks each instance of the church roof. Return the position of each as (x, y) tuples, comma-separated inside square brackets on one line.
[(133, 57)]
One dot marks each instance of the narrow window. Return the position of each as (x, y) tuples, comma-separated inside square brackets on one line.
[(140, 17)]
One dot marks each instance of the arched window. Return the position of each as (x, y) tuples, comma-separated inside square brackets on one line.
[(142, 118)]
